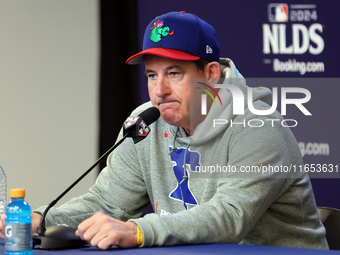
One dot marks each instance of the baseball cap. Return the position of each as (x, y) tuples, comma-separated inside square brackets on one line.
[(179, 36)]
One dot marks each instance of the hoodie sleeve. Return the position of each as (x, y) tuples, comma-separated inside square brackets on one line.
[(119, 190), (120, 194)]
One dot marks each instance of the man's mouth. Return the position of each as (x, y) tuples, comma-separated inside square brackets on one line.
[(166, 104)]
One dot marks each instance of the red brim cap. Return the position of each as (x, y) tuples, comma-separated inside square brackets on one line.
[(162, 52)]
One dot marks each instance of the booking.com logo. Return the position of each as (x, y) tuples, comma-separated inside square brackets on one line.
[(238, 103)]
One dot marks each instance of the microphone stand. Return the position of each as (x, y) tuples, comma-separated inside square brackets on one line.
[(60, 237), (39, 237)]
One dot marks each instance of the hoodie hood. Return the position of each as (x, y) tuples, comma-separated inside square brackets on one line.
[(230, 76)]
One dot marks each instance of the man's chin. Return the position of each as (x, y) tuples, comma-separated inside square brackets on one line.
[(173, 120), (169, 118)]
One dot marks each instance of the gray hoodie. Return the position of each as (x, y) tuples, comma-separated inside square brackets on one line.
[(215, 197)]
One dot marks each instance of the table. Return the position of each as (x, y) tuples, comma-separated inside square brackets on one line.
[(187, 250)]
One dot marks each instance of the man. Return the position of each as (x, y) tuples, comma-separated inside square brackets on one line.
[(169, 168)]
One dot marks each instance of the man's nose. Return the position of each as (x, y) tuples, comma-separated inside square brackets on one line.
[(163, 86)]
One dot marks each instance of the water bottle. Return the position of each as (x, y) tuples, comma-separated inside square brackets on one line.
[(3, 191), (18, 225)]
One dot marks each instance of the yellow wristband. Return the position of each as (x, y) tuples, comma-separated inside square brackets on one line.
[(139, 236)]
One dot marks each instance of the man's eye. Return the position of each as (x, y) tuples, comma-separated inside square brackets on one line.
[(174, 74), (152, 76)]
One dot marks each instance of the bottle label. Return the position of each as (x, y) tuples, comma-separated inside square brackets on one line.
[(18, 237)]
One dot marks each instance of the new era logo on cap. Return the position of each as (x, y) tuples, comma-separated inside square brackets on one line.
[(208, 50)]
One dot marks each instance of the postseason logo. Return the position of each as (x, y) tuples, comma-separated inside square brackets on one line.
[(291, 34)]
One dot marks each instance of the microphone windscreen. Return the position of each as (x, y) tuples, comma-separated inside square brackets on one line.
[(150, 115)]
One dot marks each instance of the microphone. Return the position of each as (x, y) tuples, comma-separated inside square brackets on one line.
[(137, 127), (62, 237)]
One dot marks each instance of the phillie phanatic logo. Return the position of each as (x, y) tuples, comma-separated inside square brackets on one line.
[(159, 31)]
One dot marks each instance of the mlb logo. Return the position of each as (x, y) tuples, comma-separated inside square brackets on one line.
[(278, 12)]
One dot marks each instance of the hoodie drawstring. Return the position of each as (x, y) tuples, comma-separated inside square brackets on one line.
[(173, 148), (185, 176)]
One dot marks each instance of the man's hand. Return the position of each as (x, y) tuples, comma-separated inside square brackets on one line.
[(36, 217), (104, 231), (2, 226)]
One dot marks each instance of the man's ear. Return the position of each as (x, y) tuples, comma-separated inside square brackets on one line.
[(213, 70)]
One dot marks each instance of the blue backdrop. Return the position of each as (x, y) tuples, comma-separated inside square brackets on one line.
[(285, 44)]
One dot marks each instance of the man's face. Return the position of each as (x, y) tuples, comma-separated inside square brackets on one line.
[(169, 88)]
